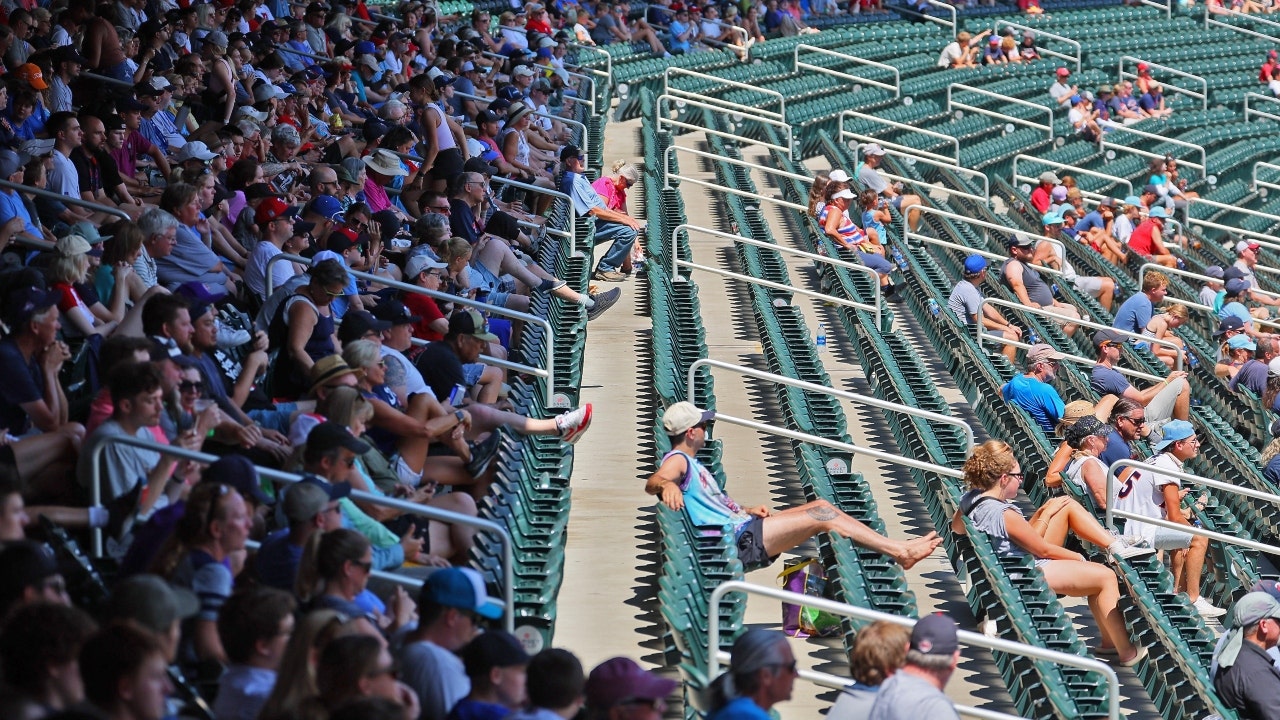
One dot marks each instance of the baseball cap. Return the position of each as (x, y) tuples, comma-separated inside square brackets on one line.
[(273, 208), (1133, 200), (1214, 271), (1107, 335), (1173, 431), (1231, 272), (238, 472), (217, 38), (935, 635), (836, 175), (257, 191), (30, 72), (1048, 177), (1043, 352), (329, 368), (27, 302), (1107, 202), (1086, 427), (23, 564), (461, 588), (523, 71), (569, 151), (10, 163), (1058, 193), (470, 322), (1158, 213), (1052, 218), (419, 264), (307, 497), (73, 245), (357, 323), (151, 602), (195, 150), (872, 149), (1242, 342), (112, 122), (1150, 189), (326, 206), (1273, 368), (1250, 609), (1019, 240), (684, 415), (1143, 67), (331, 434), (510, 93), (340, 242), (1063, 72), (486, 116), (68, 53), (1246, 245), (349, 169), (620, 678), (1235, 286), (974, 264), (395, 312), (1076, 99), (1227, 324)]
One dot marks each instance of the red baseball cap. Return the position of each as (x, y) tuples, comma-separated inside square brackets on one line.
[(1063, 72), (273, 208)]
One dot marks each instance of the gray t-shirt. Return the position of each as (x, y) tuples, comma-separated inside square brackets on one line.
[(190, 261), (965, 301), (988, 516), (907, 697), (871, 179), (436, 675), (123, 466), (855, 702)]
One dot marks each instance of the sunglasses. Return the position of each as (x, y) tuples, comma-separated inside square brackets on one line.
[(189, 387)]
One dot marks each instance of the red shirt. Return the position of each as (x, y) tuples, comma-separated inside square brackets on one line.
[(425, 308), (1040, 200), (1140, 241)]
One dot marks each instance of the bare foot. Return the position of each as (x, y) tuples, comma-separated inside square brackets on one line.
[(913, 551)]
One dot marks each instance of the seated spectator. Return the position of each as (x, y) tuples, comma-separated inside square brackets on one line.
[(839, 226), (1088, 438), (871, 178), (1235, 294), (1159, 496), (1246, 261), (1060, 91), (1208, 294), (334, 573), (1168, 399), (761, 673), (1161, 327), (254, 625), (1097, 230), (1031, 289), (1083, 118), (1125, 107), (496, 664), (280, 234), (878, 651), (760, 533), (1147, 239), (1264, 73), (966, 299), (359, 666), (963, 51), (1245, 676), (1135, 312), (1152, 102), (611, 225), (1053, 255), (994, 54), (1253, 374), (618, 687), (29, 574), (309, 506), (155, 606), (39, 648), (1032, 392), (125, 673), (1240, 350), (303, 327), (1042, 195), (994, 478), (190, 259)]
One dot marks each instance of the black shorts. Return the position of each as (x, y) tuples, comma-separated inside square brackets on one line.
[(751, 546), (447, 166)]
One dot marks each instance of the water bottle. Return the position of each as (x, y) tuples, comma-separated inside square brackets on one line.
[(1032, 337), (1192, 360), (898, 258), (934, 308), (821, 339)]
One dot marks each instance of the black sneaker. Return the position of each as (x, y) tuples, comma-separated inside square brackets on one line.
[(604, 301), (483, 453)]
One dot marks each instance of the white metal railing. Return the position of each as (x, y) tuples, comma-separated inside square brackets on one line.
[(908, 233), (1250, 111), (995, 30), (668, 89), (1271, 217), (661, 119), (608, 59), (1139, 466), (50, 195), (895, 86), (842, 394), (1142, 273), (953, 103), (1202, 166), (912, 159), (667, 175), (1063, 166), (508, 555), (955, 142), (586, 139), (716, 656), (1209, 19), (677, 263), (1274, 184), (980, 335), (951, 10), (554, 399), (1203, 95), (1166, 6)]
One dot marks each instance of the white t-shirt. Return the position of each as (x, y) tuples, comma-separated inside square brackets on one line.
[(413, 381), (1141, 492), (255, 273), (950, 54), (1059, 90), (63, 178)]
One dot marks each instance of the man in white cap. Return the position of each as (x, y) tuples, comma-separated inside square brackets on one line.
[(1246, 679), (870, 177), (760, 533)]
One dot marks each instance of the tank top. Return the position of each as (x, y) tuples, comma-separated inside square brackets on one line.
[(522, 145), (1037, 290), (1140, 241), (444, 137), (848, 230), (1075, 472), (704, 500), (320, 344)]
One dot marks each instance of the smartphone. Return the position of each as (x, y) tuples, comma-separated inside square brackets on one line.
[(456, 395)]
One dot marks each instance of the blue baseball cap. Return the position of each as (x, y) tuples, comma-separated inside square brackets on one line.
[(1158, 212), (365, 47), (1172, 432), (510, 92), (1241, 342), (974, 264), (326, 206), (461, 588), (1133, 200), (1051, 218)]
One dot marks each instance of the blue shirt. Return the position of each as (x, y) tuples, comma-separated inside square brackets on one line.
[(1117, 449), (1238, 310), (743, 708), (11, 206), (242, 691), (1038, 398), (1134, 314), (1090, 221), (677, 29), (278, 561), (1108, 381), (468, 709), (704, 500)]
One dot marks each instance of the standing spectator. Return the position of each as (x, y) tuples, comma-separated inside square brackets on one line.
[(966, 299), (879, 651), (496, 663), (916, 691), (761, 673), (1247, 679), (254, 625)]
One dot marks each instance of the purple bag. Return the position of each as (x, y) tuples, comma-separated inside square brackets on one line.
[(806, 577)]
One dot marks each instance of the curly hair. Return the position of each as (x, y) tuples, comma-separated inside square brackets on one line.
[(989, 462)]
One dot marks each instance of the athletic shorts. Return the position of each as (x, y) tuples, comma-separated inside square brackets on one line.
[(1091, 286), (751, 545), (1167, 539)]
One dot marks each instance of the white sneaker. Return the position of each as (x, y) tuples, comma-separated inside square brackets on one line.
[(1208, 609), (573, 423), (1131, 551)]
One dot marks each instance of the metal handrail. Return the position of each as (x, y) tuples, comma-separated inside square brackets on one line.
[(907, 233), (105, 79), (313, 56), (980, 335), (995, 30), (572, 229), (952, 103), (1210, 20), (953, 24), (1142, 272), (1191, 201), (586, 140), (842, 394), (1166, 6), (1063, 166), (1112, 512), (715, 655), (50, 195), (1248, 111), (1272, 166), (1188, 273), (508, 554), (896, 86), (1203, 95), (661, 119), (676, 263), (1204, 158), (548, 374), (671, 150), (667, 89), (955, 142), (731, 190), (1266, 241), (912, 159), (608, 59)]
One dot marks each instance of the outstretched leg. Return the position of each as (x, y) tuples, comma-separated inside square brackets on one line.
[(786, 529)]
